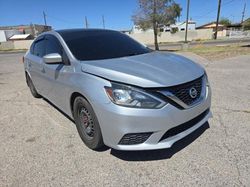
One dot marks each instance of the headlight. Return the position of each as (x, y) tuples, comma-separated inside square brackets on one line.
[(132, 97)]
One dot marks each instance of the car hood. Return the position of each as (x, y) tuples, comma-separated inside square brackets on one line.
[(153, 69)]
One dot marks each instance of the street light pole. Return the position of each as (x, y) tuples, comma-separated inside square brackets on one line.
[(188, 2)]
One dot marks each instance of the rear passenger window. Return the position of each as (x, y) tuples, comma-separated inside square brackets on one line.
[(32, 48), (39, 48)]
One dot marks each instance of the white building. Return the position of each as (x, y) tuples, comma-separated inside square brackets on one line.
[(180, 26), (2, 36), (6, 34), (136, 29)]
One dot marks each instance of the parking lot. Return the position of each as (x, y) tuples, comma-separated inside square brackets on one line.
[(41, 147)]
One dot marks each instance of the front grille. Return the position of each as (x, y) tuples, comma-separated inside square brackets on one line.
[(180, 128), (182, 91), (134, 138)]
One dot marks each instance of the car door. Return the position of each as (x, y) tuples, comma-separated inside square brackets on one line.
[(35, 63), (57, 75)]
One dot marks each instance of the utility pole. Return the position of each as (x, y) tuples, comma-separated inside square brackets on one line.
[(217, 21), (243, 13), (103, 21), (86, 22), (32, 29), (188, 2), (44, 17)]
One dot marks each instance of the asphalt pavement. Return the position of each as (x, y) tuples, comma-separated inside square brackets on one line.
[(41, 147)]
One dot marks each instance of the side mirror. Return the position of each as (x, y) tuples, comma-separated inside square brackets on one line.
[(53, 58)]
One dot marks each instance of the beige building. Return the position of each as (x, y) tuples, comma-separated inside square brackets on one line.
[(32, 29), (211, 25)]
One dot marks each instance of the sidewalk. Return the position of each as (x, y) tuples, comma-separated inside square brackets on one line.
[(178, 45)]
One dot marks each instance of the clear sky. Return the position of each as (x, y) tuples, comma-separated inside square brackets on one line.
[(117, 13)]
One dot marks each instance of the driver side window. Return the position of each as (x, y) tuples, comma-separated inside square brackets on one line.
[(53, 45)]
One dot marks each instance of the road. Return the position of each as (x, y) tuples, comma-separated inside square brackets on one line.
[(178, 46), (41, 147)]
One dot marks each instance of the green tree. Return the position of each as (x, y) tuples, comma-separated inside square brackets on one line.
[(154, 12), (246, 24), (225, 21)]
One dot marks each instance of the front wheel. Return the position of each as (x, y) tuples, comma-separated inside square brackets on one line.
[(87, 124)]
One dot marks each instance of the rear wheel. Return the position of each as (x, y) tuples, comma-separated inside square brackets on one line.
[(32, 87), (87, 124)]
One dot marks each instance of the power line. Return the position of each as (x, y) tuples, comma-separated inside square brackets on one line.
[(214, 10), (228, 2), (61, 20)]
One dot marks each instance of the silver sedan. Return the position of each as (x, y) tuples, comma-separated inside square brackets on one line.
[(118, 92)]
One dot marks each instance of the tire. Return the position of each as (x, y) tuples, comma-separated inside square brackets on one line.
[(32, 87), (87, 124)]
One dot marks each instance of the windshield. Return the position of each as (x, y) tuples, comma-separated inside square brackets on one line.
[(96, 44)]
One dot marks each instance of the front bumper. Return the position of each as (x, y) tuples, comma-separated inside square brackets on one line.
[(116, 122)]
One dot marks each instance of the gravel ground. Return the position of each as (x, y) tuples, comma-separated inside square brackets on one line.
[(41, 147)]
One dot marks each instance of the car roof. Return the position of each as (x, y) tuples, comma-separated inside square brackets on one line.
[(67, 31)]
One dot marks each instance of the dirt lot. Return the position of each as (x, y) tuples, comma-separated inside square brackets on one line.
[(221, 51), (41, 147)]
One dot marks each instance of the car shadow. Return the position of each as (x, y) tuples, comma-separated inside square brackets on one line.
[(58, 109), (162, 153), (104, 148)]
